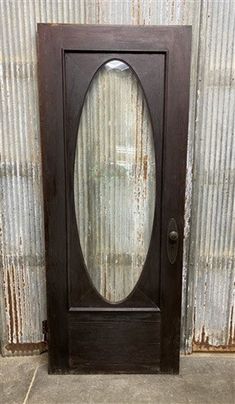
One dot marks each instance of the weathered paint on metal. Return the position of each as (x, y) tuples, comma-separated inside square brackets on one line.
[(28, 348), (209, 242), (203, 344), (211, 266)]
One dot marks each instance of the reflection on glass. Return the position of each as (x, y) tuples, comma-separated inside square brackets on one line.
[(114, 180)]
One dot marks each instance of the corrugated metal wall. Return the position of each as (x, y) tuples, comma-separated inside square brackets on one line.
[(209, 241), (212, 238)]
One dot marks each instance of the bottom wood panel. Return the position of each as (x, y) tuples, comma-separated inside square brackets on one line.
[(120, 343)]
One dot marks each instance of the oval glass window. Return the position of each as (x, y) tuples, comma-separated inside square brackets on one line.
[(114, 180)]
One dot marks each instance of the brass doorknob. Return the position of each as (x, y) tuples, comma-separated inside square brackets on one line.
[(173, 236)]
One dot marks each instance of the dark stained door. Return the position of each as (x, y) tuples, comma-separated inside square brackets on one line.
[(114, 116)]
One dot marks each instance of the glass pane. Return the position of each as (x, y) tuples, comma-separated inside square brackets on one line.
[(114, 180)]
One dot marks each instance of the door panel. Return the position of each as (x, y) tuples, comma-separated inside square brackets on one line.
[(80, 69), (95, 348), (129, 321)]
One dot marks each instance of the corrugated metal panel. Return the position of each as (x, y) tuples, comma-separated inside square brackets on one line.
[(22, 243), (22, 236), (22, 225), (213, 228)]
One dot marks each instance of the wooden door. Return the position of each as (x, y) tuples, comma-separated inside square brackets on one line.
[(114, 116)]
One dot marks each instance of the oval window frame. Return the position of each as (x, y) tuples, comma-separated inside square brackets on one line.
[(91, 282)]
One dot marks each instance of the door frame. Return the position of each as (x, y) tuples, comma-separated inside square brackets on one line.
[(175, 43)]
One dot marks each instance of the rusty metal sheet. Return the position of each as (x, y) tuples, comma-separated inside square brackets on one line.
[(211, 266), (209, 238)]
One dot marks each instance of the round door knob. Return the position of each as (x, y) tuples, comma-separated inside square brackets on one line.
[(173, 235)]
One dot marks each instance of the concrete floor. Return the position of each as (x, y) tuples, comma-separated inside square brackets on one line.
[(203, 379)]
